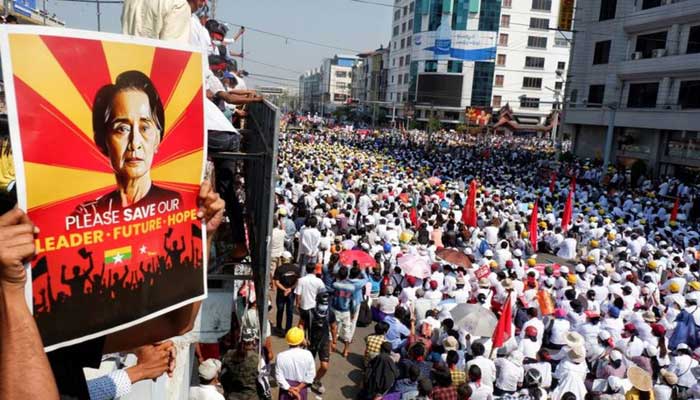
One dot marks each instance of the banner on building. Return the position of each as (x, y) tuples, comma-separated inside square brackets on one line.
[(566, 15), (478, 115), (108, 140), (463, 46)]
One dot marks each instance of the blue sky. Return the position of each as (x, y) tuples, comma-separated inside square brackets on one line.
[(342, 23)]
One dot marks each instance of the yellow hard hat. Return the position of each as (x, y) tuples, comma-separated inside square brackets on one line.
[(601, 212), (543, 224), (652, 264), (524, 234), (594, 243), (591, 259), (531, 262), (295, 336), (674, 287), (530, 206), (643, 221), (593, 219), (620, 221), (695, 285), (493, 264), (607, 221), (405, 237), (571, 278), (611, 236), (672, 223)]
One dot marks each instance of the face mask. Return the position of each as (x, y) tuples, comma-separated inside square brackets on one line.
[(322, 308)]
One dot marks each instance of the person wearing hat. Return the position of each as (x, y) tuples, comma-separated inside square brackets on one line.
[(295, 368), (529, 346), (682, 364), (239, 376), (284, 281), (571, 371), (487, 368), (642, 384), (559, 328), (666, 388), (208, 380)]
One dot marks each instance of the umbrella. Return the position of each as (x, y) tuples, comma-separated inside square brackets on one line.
[(363, 259), (475, 319), (348, 244), (455, 257), (415, 265), (434, 180)]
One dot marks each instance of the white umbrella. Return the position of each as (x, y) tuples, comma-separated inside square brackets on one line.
[(415, 265), (475, 319)]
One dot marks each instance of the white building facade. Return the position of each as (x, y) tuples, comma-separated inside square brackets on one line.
[(336, 82), (398, 78), (636, 67), (532, 58)]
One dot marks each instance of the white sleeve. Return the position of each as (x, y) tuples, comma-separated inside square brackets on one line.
[(310, 370), (112, 386)]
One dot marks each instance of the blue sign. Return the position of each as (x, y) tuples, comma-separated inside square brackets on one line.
[(24, 7)]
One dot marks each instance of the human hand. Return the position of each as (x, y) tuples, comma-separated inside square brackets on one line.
[(16, 246), (153, 361), (211, 206)]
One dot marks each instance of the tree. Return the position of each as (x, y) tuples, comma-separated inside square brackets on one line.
[(434, 124)]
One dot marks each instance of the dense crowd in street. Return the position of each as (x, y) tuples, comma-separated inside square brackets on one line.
[(438, 243)]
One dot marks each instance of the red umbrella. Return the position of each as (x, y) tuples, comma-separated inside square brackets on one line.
[(363, 259), (455, 257)]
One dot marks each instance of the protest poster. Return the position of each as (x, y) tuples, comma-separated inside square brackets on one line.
[(108, 140)]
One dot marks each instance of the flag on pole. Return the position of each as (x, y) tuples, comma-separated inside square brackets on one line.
[(566, 218), (573, 184), (674, 212), (413, 215), (504, 327), (469, 212), (533, 226)]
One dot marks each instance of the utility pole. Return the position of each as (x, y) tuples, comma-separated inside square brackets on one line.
[(99, 17), (6, 6), (45, 12), (612, 109), (213, 9)]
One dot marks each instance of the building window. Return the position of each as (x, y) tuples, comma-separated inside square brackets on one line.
[(595, 95), (689, 95), (341, 74), (403, 28), (646, 4), (396, 30), (643, 95), (405, 79), (561, 42), (501, 59), (561, 65), (503, 39), (505, 21), (693, 40), (397, 14), (410, 25), (529, 102), (602, 52), (534, 62), (646, 44), (507, 3), (408, 41), (454, 66), (392, 79), (400, 79), (482, 84), (532, 83), (403, 43), (542, 5), (489, 17), (496, 101), (410, 7), (539, 23), (431, 66), (558, 85), (405, 10), (499, 80), (400, 61), (607, 9), (537, 42), (407, 60), (393, 62)]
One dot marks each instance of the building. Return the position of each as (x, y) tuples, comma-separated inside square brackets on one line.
[(27, 12), (398, 65), (369, 79), (531, 59), (636, 68), (322, 90)]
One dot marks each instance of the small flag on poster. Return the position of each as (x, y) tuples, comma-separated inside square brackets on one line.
[(117, 256)]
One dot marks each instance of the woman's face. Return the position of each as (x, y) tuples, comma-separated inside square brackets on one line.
[(133, 135)]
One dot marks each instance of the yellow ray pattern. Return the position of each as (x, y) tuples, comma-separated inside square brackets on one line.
[(34, 64), (47, 184), (128, 57), (187, 169), (187, 87)]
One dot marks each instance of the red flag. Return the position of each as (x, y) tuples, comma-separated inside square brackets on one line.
[(504, 327), (533, 226), (469, 212), (552, 181), (674, 212), (414, 217), (573, 184), (566, 218)]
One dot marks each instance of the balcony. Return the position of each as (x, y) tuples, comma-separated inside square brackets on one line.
[(659, 65), (670, 12), (661, 117)]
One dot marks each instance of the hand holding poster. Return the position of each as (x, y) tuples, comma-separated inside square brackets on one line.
[(108, 140)]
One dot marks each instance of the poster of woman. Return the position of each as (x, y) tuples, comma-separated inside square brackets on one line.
[(108, 140)]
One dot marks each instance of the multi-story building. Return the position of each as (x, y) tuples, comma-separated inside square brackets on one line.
[(636, 69), (369, 78), (336, 82), (531, 59), (26, 12), (310, 91), (399, 63)]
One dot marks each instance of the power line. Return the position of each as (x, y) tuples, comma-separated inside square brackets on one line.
[(273, 66), (290, 38), (95, 2), (376, 3), (275, 77)]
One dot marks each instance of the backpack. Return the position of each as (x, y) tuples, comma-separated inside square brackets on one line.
[(364, 318), (686, 331)]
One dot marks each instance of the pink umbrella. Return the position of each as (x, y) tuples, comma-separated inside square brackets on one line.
[(415, 265), (363, 259)]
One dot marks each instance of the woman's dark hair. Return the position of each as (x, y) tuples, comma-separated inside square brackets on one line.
[(102, 107)]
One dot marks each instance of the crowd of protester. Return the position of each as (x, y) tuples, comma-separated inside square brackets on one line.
[(604, 305)]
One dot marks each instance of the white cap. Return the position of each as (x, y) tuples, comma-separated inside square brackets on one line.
[(518, 253), (287, 255), (564, 270), (615, 355), (488, 253), (209, 369), (580, 268), (604, 335)]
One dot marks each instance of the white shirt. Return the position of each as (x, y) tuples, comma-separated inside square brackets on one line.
[(307, 288), (488, 370), (509, 375), (309, 239), (157, 19), (277, 243), (560, 328), (295, 364), (205, 392), (567, 250), (545, 369)]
